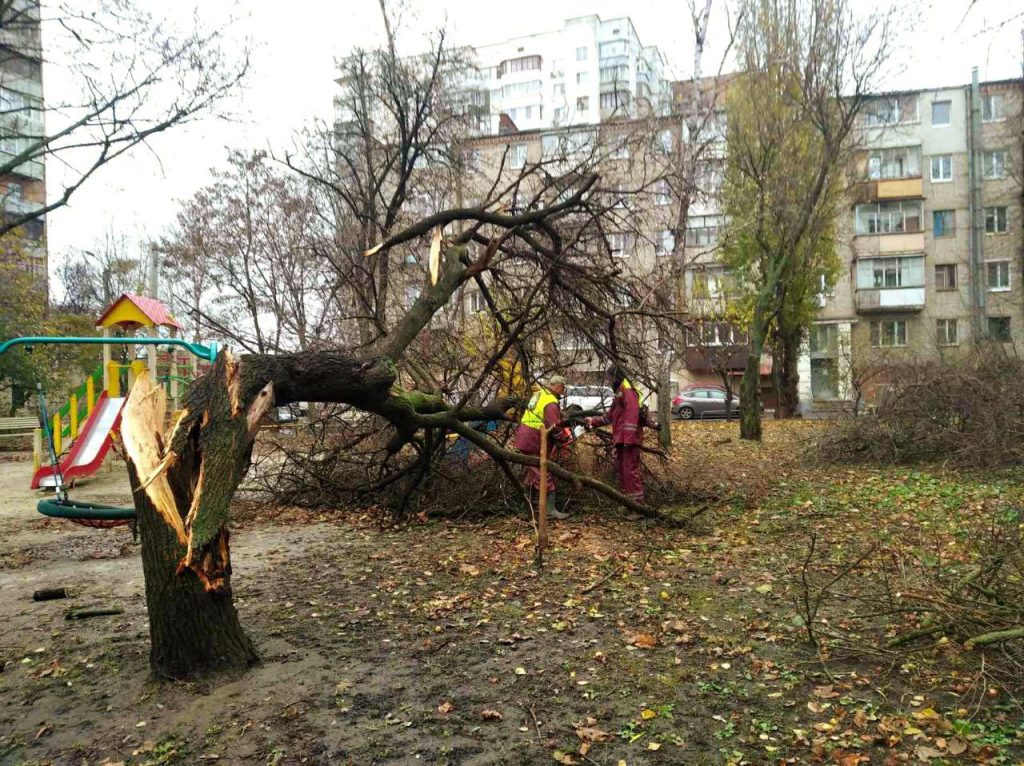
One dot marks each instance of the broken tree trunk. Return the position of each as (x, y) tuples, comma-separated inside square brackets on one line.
[(182, 485)]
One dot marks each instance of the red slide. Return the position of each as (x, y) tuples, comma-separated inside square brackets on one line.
[(88, 450)]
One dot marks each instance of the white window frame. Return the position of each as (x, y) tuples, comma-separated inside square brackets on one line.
[(620, 151), (943, 163), (946, 269), (620, 243), (999, 216), (946, 232), (662, 193), (583, 104), (990, 169), (907, 271), (942, 332), (988, 102), (517, 154), (582, 53), (878, 336), (476, 303), (887, 212), (1002, 268), (581, 78), (949, 113), (883, 162)]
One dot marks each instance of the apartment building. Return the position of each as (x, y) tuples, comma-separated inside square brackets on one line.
[(589, 71), (931, 239), (23, 186)]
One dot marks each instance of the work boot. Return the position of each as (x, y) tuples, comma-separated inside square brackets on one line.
[(553, 512)]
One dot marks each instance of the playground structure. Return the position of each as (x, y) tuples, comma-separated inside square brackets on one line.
[(87, 424)]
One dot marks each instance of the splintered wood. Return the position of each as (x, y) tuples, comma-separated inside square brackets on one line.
[(191, 475), (141, 425)]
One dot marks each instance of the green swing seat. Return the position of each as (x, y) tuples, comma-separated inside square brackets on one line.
[(86, 514)]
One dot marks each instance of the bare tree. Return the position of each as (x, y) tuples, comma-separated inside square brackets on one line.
[(93, 278), (136, 76)]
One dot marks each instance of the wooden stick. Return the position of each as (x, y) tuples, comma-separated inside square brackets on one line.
[(82, 614), (542, 525), (50, 594)]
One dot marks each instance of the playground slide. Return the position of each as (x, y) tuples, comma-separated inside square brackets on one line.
[(87, 453)]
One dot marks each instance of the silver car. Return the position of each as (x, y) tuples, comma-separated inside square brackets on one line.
[(702, 402)]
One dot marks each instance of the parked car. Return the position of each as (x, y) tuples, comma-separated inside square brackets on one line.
[(699, 402), (586, 398)]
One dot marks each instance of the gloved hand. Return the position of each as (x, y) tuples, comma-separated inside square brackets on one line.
[(588, 423)]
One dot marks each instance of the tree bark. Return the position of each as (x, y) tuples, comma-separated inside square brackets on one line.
[(192, 630), (750, 385), (665, 401), (785, 360)]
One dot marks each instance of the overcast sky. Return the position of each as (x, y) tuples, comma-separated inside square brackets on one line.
[(291, 81)]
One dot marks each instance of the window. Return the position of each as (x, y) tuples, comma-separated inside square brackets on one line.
[(702, 230), (940, 113), (713, 282), (581, 54), (617, 73), (891, 333), (613, 48), (998, 275), (999, 329), (620, 192), (945, 276), (523, 64), (517, 156), (995, 220), (942, 168), (992, 107), (890, 110), (476, 302), (549, 145), (888, 218), (615, 99), (943, 223), (945, 332), (581, 78), (621, 244), (665, 137), (824, 352), (895, 162), (993, 164), (559, 115), (519, 88), (895, 271), (583, 104), (560, 89), (665, 243), (662, 194), (620, 151)]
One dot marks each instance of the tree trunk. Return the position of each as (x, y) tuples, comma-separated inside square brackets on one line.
[(785, 360), (191, 630), (665, 402), (750, 385)]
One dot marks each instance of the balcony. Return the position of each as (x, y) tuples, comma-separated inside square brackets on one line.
[(890, 299), (888, 189)]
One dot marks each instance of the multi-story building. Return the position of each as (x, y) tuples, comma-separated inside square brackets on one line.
[(589, 71), (932, 239), (22, 186)]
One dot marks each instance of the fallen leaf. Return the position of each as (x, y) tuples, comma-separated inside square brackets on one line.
[(647, 714), (592, 734), (445, 707), (520, 671), (565, 758), (469, 569), (958, 746), (653, 745), (644, 641), (825, 692), (491, 715), (925, 753)]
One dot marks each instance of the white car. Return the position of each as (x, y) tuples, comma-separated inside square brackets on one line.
[(586, 399)]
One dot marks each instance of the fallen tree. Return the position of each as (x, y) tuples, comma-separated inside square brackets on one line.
[(185, 479)]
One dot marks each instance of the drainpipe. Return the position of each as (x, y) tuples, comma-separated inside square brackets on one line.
[(977, 210)]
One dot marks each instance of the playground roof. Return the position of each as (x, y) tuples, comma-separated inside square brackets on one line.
[(150, 309)]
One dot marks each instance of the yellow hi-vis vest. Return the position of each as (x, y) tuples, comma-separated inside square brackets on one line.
[(641, 397), (534, 415)]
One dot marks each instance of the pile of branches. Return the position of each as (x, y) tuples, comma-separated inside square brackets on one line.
[(343, 458), (968, 412), (889, 601)]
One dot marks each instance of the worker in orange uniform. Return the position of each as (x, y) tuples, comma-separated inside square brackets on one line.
[(625, 417), (543, 411)]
